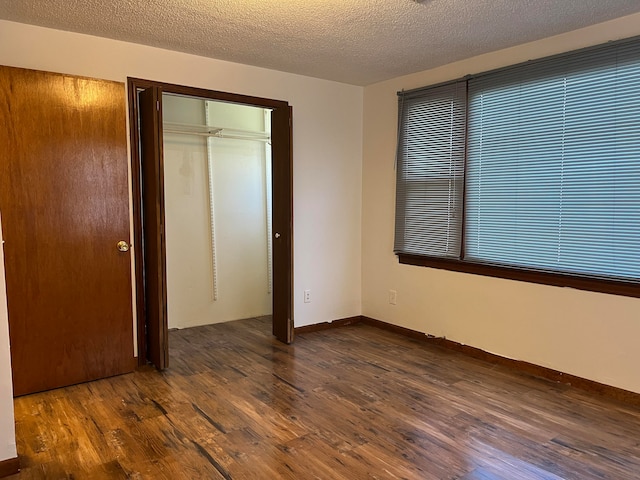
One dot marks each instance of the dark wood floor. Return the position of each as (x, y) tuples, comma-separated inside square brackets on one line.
[(349, 403)]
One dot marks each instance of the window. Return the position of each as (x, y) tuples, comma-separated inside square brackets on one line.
[(530, 172), (431, 173)]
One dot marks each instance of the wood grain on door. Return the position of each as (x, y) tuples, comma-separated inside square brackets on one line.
[(65, 206)]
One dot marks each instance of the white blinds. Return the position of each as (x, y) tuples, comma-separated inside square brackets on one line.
[(430, 171), (553, 165)]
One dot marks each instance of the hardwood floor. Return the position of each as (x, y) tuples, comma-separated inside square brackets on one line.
[(350, 403)]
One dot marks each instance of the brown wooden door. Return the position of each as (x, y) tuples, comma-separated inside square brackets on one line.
[(64, 204), (155, 270), (282, 207)]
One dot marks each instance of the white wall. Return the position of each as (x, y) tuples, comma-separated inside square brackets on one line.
[(327, 150), (240, 206), (7, 429), (591, 335)]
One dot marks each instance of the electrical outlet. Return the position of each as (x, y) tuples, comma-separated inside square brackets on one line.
[(393, 297), (307, 296)]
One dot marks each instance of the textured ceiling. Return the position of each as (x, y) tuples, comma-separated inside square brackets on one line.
[(353, 41)]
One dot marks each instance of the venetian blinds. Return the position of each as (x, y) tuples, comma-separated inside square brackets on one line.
[(430, 170), (553, 164)]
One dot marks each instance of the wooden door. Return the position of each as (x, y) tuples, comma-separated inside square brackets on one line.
[(155, 270), (64, 204), (282, 207)]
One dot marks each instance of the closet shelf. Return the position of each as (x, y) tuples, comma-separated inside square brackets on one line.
[(212, 131)]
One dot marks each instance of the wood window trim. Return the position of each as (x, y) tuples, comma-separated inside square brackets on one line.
[(592, 284)]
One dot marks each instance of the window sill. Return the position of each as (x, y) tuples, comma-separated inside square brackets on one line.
[(610, 286)]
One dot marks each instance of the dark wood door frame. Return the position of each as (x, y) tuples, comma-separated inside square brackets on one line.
[(153, 226), (282, 200)]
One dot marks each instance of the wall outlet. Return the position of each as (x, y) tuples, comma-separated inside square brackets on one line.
[(307, 296), (393, 297)]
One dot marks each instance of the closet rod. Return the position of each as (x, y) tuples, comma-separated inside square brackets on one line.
[(218, 135), (212, 131)]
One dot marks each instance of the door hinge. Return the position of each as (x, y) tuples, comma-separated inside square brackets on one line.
[(158, 105)]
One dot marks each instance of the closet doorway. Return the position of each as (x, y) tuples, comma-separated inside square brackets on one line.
[(217, 192), (183, 151)]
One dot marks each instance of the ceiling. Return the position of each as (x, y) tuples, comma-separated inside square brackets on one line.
[(353, 41)]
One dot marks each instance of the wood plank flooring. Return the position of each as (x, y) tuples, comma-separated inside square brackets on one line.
[(350, 403)]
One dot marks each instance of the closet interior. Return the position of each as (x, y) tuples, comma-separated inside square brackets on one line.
[(217, 181)]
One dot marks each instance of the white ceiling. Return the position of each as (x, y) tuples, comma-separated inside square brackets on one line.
[(352, 41)]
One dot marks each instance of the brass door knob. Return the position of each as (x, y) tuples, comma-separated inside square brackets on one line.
[(123, 246)]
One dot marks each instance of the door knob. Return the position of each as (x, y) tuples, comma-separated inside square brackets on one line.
[(123, 246), (277, 235)]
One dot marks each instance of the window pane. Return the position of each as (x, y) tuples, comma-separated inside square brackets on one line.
[(430, 171), (553, 167)]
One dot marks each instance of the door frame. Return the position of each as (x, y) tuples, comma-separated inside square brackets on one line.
[(282, 219)]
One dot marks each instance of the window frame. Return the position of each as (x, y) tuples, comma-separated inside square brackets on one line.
[(594, 283)]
